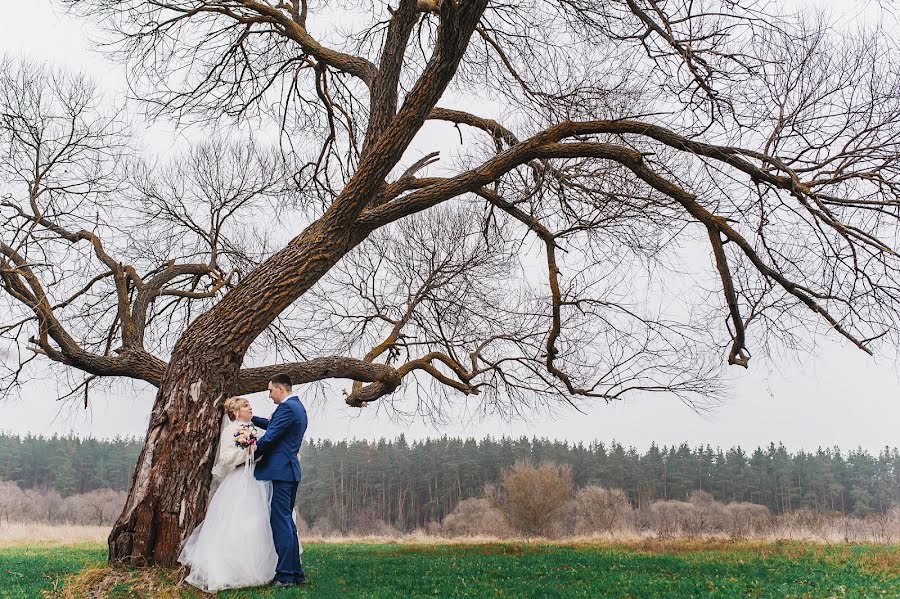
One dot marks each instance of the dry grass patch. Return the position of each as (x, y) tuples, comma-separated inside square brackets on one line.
[(884, 560), (104, 581), (32, 533), (656, 546)]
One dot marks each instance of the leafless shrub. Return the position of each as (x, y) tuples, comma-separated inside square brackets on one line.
[(746, 519), (99, 507), (669, 518), (302, 526), (95, 508), (855, 529), (475, 517), (887, 526), (707, 517), (599, 510), (805, 523), (43, 507), (534, 498), (882, 528), (367, 522), (324, 526), (12, 500), (703, 516), (433, 528)]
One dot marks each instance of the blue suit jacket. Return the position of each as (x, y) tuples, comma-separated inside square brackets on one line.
[(279, 446)]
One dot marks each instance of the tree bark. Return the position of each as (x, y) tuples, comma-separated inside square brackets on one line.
[(171, 481)]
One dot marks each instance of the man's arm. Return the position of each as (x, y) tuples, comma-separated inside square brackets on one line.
[(281, 421), (260, 422)]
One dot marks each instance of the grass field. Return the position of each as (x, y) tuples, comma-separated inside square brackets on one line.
[(651, 569)]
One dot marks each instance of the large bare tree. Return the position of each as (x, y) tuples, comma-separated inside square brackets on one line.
[(601, 147)]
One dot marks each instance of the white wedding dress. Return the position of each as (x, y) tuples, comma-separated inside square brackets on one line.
[(232, 547)]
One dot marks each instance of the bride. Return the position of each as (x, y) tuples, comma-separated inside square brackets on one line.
[(233, 546)]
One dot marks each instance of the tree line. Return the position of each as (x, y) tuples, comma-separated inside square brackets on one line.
[(409, 484), (68, 465)]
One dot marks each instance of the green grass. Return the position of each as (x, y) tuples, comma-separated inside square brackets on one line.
[(521, 570), (26, 571)]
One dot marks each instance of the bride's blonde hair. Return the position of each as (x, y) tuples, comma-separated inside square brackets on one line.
[(233, 404)]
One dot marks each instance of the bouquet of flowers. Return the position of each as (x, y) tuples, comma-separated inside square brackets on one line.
[(245, 436)]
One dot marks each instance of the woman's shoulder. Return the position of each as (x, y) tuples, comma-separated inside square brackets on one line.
[(232, 428)]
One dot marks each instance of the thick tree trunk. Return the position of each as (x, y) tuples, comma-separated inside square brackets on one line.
[(171, 481)]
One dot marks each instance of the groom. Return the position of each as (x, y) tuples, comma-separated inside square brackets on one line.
[(278, 448)]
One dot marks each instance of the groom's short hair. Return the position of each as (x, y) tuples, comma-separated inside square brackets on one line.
[(282, 380)]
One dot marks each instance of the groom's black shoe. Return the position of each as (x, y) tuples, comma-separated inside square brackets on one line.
[(278, 584)]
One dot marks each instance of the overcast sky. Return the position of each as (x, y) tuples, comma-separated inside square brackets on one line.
[(839, 396)]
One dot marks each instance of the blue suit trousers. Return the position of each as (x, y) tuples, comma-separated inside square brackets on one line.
[(284, 532)]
